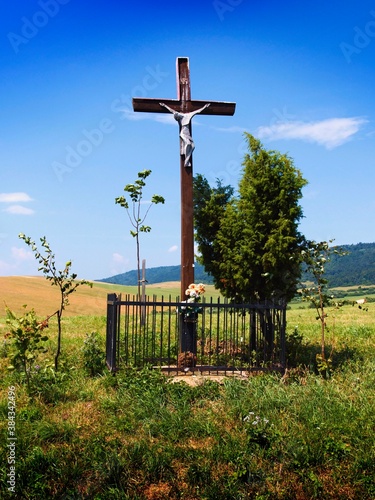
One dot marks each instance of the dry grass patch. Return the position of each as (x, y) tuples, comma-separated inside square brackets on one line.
[(159, 491), (39, 294)]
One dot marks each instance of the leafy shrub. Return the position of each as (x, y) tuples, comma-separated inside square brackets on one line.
[(93, 354), (293, 346), (49, 384), (27, 342)]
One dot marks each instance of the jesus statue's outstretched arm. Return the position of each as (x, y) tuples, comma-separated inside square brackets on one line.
[(173, 111)]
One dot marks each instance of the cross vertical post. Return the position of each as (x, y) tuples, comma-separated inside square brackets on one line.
[(186, 177), (183, 109)]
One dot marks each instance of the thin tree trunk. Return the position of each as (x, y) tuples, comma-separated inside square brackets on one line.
[(323, 319), (138, 269), (143, 307), (59, 313)]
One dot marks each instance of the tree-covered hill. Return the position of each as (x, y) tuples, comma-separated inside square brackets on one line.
[(356, 268), (158, 275)]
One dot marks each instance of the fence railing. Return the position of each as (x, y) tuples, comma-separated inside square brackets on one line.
[(211, 336)]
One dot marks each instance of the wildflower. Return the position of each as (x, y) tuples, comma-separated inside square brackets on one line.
[(248, 416), (255, 420)]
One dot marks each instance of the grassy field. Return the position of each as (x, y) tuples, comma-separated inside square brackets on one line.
[(36, 292), (141, 435)]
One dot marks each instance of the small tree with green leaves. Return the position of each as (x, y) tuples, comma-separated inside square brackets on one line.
[(27, 341), (135, 192), (64, 280), (316, 255)]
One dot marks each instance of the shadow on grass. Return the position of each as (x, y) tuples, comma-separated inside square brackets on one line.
[(302, 354)]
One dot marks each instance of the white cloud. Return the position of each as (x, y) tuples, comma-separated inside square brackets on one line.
[(329, 133), (14, 197), (172, 249), (118, 264), (19, 210), (15, 263), (20, 254), (118, 258), (18, 197)]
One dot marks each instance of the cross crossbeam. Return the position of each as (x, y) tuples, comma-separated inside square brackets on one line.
[(153, 106)]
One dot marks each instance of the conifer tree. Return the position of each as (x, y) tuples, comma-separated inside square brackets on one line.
[(256, 250), (210, 204)]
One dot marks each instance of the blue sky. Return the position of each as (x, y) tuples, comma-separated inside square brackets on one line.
[(302, 75)]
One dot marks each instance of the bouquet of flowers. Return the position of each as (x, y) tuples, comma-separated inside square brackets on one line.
[(194, 293)]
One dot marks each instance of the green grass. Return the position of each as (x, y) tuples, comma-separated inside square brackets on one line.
[(140, 436)]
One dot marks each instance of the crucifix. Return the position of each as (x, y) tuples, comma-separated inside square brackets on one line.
[(184, 109)]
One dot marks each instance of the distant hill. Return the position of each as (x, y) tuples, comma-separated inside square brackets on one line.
[(158, 275), (356, 268)]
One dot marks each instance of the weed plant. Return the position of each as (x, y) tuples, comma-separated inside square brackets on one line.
[(93, 354)]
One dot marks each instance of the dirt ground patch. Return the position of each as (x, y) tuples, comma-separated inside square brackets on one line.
[(198, 379)]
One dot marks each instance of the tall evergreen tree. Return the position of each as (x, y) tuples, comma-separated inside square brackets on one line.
[(256, 247), (209, 206)]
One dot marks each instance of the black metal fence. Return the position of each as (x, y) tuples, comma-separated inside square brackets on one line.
[(205, 336)]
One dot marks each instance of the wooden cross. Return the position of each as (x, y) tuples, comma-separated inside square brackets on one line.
[(184, 104)]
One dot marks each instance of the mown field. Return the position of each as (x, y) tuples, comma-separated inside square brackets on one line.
[(86, 434), (36, 292)]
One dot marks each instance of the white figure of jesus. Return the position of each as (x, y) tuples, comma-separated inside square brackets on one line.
[(184, 119)]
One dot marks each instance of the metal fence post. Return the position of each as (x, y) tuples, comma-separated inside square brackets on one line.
[(111, 336)]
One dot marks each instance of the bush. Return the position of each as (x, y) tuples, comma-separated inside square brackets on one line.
[(93, 354), (27, 342)]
